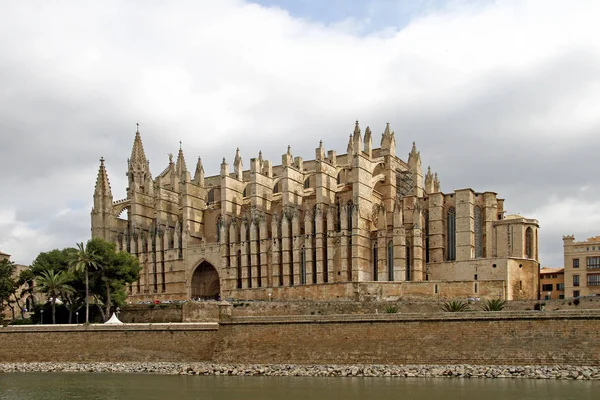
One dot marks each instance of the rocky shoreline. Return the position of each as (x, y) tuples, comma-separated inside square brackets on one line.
[(416, 371)]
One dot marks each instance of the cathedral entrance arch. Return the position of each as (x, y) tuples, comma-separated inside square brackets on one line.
[(205, 282)]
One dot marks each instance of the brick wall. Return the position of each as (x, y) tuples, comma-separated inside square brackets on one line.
[(517, 338)]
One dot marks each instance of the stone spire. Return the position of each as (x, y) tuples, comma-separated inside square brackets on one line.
[(260, 159), (357, 138), (138, 170), (287, 158), (414, 163), (436, 183), (414, 157), (237, 165), (224, 168), (102, 188), (102, 212), (429, 181), (350, 148), (320, 152), (368, 142), (388, 142), (199, 175), (181, 168)]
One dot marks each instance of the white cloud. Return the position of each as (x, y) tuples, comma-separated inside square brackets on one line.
[(489, 92)]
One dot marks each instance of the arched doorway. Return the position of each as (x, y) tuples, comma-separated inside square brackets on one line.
[(205, 282)]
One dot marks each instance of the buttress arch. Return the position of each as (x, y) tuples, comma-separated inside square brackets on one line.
[(205, 282)]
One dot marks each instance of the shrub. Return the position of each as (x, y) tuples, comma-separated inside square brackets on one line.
[(455, 306), (576, 302), (21, 321), (391, 309), (539, 306), (493, 305)]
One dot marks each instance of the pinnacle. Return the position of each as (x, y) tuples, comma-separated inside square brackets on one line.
[(102, 183)]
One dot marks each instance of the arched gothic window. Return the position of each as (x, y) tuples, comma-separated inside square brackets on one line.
[(239, 269), (211, 196), (339, 178), (426, 226), (245, 193), (303, 266), (276, 188), (528, 243), (218, 228), (478, 233), (375, 262), (390, 260), (307, 183), (407, 270), (451, 234), (350, 210)]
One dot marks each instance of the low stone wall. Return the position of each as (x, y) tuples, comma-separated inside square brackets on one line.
[(151, 313), (130, 342), (477, 338)]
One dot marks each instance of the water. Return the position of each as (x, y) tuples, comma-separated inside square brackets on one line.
[(46, 386)]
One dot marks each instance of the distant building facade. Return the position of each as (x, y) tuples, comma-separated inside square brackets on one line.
[(582, 266), (364, 224), (552, 283)]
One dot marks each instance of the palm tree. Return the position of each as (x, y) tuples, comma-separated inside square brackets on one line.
[(84, 260), (54, 284)]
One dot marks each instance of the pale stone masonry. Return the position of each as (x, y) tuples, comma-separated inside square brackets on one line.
[(365, 224)]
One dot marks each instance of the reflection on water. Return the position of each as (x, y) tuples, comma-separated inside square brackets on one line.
[(46, 386)]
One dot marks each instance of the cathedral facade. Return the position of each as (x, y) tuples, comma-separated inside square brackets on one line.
[(356, 226)]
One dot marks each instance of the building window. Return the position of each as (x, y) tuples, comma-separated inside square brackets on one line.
[(593, 262), (593, 280), (303, 266), (560, 286), (575, 280), (211, 196), (350, 208), (575, 293), (218, 228), (451, 234), (276, 188), (239, 269), (339, 178), (576, 263), (547, 287), (478, 233), (407, 272), (375, 261), (426, 223), (528, 243), (390, 260)]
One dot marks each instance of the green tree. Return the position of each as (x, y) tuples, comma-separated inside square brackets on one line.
[(54, 285), (84, 259), (115, 271), (7, 283)]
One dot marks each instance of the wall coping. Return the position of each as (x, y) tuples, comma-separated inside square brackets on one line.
[(176, 326), (417, 317)]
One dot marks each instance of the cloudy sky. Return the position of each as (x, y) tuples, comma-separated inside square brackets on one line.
[(498, 95)]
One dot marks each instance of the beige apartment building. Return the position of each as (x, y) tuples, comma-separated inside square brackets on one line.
[(364, 224), (552, 283), (582, 266)]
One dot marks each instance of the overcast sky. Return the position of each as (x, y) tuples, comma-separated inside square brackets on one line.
[(499, 96)]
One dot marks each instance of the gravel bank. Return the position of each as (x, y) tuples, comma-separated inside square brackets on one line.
[(453, 371)]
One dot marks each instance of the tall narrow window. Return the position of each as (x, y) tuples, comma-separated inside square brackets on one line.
[(249, 264), (280, 266), (390, 260), (339, 178), (314, 245), (528, 243), (258, 265), (478, 233), (211, 196), (375, 262), (451, 234), (239, 269), (276, 188), (407, 271), (350, 207), (426, 223), (303, 266), (307, 183), (338, 220), (218, 228)]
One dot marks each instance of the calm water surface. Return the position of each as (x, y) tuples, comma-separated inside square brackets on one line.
[(46, 386)]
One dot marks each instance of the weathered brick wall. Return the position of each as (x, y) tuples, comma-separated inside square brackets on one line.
[(151, 313), (476, 338), (482, 338), (108, 343)]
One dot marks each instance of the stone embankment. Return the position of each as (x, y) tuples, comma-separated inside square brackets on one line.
[(416, 371)]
